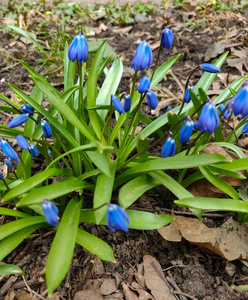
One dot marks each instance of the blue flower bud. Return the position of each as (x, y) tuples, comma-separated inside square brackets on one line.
[(78, 49), (186, 96), (21, 142), (49, 152), (196, 126), (8, 163), (226, 113), (143, 57), (144, 84), (18, 120), (152, 99), (8, 150), (1, 176), (186, 131), (239, 103), (209, 68), (127, 103), (117, 218), (167, 38), (168, 108), (209, 118), (27, 109), (47, 130), (51, 212), (32, 149), (245, 129), (169, 147), (117, 104)]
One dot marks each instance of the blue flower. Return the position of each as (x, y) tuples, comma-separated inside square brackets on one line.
[(127, 103), (167, 38), (1, 176), (47, 130), (27, 109), (209, 118), (8, 163), (21, 142), (245, 129), (239, 103), (32, 149), (8, 150), (18, 120), (168, 108), (152, 99), (143, 57), (186, 131), (226, 113), (169, 147), (117, 218), (186, 96), (78, 49), (144, 84), (117, 104), (209, 68), (51, 212)]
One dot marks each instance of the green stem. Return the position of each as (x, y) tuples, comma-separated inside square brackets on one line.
[(156, 63), (133, 84), (6, 185)]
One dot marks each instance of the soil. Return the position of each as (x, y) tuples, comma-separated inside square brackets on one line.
[(194, 273)]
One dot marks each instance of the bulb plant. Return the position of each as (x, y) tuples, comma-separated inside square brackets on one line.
[(87, 139)]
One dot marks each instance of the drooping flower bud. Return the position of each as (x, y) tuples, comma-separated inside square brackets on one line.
[(127, 103), (78, 49), (169, 147), (186, 96), (117, 218), (245, 129), (51, 212), (117, 104), (8, 150), (239, 103), (226, 113), (186, 131), (32, 149), (27, 109), (143, 57), (209, 118), (47, 130), (144, 84), (21, 142), (209, 68), (8, 163), (152, 99), (18, 121), (167, 38), (168, 108)]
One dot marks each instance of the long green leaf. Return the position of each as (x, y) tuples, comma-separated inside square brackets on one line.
[(53, 191), (14, 226), (235, 165), (220, 204), (135, 188), (100, 160), (33, 181), (61, 252), (95, 245), (8, 269), (13, 213)]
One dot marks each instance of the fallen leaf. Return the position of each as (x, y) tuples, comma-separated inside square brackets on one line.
[(122, 29), (90, 292), (214, 50), (128, 294), (237, 63), (155, 280), (229, 241), (108, 286)]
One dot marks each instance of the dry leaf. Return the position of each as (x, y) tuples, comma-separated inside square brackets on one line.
[(214, 50), (229, 241), (154, 279), (90, 292), (122, 29), (128, 294), (108, 286)]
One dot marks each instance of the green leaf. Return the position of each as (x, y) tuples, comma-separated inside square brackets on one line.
[(95, 245), (219, 204), (103, 191), (13, 213), (170, 163), (8, 269), (53, 191), (33, 181), (14, 226), (91, 89), (202, 94), (95, 44), (135, 188), (194, 98), (9, 243), (235, 165), (219, 182), (109, 86), (100, 161), (61, 252)]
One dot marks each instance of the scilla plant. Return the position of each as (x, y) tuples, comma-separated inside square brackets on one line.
[(87, 139)]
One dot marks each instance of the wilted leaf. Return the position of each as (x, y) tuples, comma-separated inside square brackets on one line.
[(128, 294), (91, 291), (108, 286), (214, 50), (229, 241)]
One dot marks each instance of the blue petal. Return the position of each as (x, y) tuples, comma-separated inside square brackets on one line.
[(152, 99), (9, 151), (21, 142), (18, 120), (47, 130)]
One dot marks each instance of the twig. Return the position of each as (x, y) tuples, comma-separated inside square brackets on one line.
[(172, 282), (90, 268), (185, 294), (31, 291), (177, 80)]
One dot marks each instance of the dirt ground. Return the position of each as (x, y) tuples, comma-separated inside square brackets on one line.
[(188, 271)]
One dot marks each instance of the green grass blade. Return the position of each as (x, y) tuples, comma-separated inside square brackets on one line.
[(8, 269), (13, 213), (95, 245), (61, 252)]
